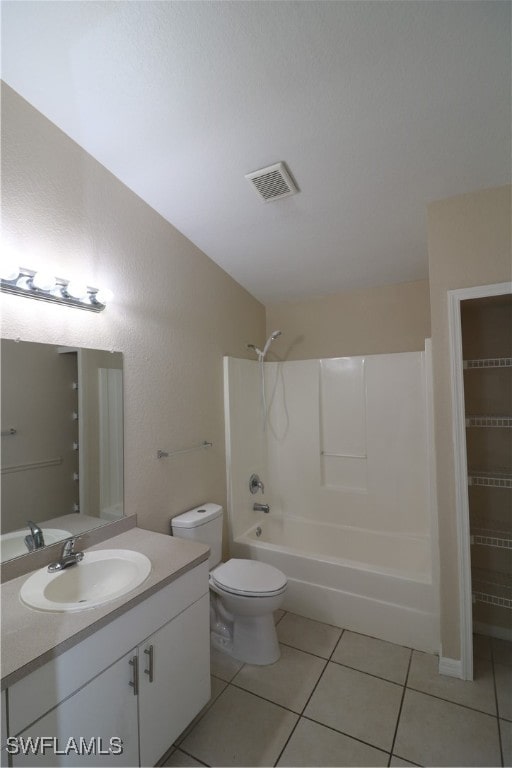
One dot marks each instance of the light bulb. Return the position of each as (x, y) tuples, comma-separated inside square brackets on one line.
[(104, 295), (77, 290), (9, 270), (44, 281)]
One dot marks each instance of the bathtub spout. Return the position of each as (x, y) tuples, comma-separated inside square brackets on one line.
[(261, 507)]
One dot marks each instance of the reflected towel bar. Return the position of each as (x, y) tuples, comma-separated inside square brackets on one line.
[(166, 454)]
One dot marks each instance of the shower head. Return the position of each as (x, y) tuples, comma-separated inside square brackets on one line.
[(261, 355), (269, 341)]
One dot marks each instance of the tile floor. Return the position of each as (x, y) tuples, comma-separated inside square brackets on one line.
[(336, 698)]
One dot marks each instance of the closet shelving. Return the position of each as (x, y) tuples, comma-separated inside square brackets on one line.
[(489, 362), (496, 422), (492, 588), (490, 479), (490, 533), (488, 397)]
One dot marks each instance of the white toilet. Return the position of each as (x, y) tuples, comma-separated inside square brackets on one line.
[(246, 592)]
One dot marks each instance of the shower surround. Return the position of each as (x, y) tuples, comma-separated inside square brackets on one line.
[(346, 459)]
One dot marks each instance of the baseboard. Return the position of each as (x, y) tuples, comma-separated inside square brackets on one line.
[(491, 630), (450, 667)]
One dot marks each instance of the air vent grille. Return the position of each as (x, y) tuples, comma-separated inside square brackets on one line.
[(272, 183)]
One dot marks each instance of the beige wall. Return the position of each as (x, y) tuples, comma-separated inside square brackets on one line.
[(469, 244), (174, 316), (390, 318)]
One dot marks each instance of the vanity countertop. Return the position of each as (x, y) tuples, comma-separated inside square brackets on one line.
[(30, 638)]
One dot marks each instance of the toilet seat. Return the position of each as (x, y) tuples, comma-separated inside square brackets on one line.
[(249, 577)]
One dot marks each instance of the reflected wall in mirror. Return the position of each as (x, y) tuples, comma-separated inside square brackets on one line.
[(62, 441)]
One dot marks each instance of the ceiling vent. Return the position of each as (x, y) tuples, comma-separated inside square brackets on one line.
[(273, 182)]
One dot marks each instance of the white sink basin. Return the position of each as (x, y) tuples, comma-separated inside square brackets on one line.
[(101, 576), (13, 544)]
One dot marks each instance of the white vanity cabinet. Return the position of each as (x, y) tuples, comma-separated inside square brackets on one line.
[(102, 709), (101, 688), (3, 715), (168, 696)]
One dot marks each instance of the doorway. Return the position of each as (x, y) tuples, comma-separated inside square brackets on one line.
[(481, 360)]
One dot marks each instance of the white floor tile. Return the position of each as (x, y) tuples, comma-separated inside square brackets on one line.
[(503, 675), (240, 729), (478, 693), (289, 682), (217, 686), (506, 741), (397, 761), (502, 651), (278, 615), (179, 758), (434, 732), (356, 704), (376, 657), (223, 666), (482, 646), (313, 744), (308, 635)]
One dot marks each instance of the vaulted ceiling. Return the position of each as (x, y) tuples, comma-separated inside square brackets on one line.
[(376, 107)]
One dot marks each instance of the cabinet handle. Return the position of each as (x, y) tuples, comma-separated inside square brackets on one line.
[(134, 662), (149, 652)]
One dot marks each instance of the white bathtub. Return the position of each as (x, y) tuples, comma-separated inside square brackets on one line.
[(375, 583)]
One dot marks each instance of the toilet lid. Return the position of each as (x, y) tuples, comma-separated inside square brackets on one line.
[(249, 577)]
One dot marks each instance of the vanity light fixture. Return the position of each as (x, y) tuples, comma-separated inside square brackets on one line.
[(43, 286)]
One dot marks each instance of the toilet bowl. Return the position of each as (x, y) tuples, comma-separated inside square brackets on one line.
[(248, 592), (243, 593)]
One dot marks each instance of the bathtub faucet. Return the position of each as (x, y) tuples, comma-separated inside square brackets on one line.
[(255, 484), (261, 507)]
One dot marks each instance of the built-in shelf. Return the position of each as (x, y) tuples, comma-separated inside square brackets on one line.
[(489, 421), (490, 479), (489, 537), (489, 362), (492, 588)]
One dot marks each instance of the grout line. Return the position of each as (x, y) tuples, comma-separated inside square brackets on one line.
[(310, 653), (394, 754), (400, 707), (450, 701), (345, 733), (369, 674), (192, 725), (497, 704), (189, 754), (287, 740), (264, 698)]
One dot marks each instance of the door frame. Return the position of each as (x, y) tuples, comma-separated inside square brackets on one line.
[(460, 458)]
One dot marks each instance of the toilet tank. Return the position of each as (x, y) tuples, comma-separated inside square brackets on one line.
[(204, 524)]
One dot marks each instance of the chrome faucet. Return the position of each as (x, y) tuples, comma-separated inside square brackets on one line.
[(255, 484), (261, 507), (68, 557), (35, 539)]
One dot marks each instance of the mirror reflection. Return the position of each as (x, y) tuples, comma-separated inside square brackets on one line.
[(62, 443)]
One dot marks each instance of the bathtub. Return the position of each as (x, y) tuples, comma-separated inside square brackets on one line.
[(371, 582)]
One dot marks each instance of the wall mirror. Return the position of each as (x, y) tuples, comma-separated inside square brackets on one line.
[(62, 441)]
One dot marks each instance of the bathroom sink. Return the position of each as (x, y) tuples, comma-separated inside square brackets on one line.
[(13, 544), (101, 576)]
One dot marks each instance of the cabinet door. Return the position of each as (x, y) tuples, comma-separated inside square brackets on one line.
[(104, 709), (3, 715), (180, 687)]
